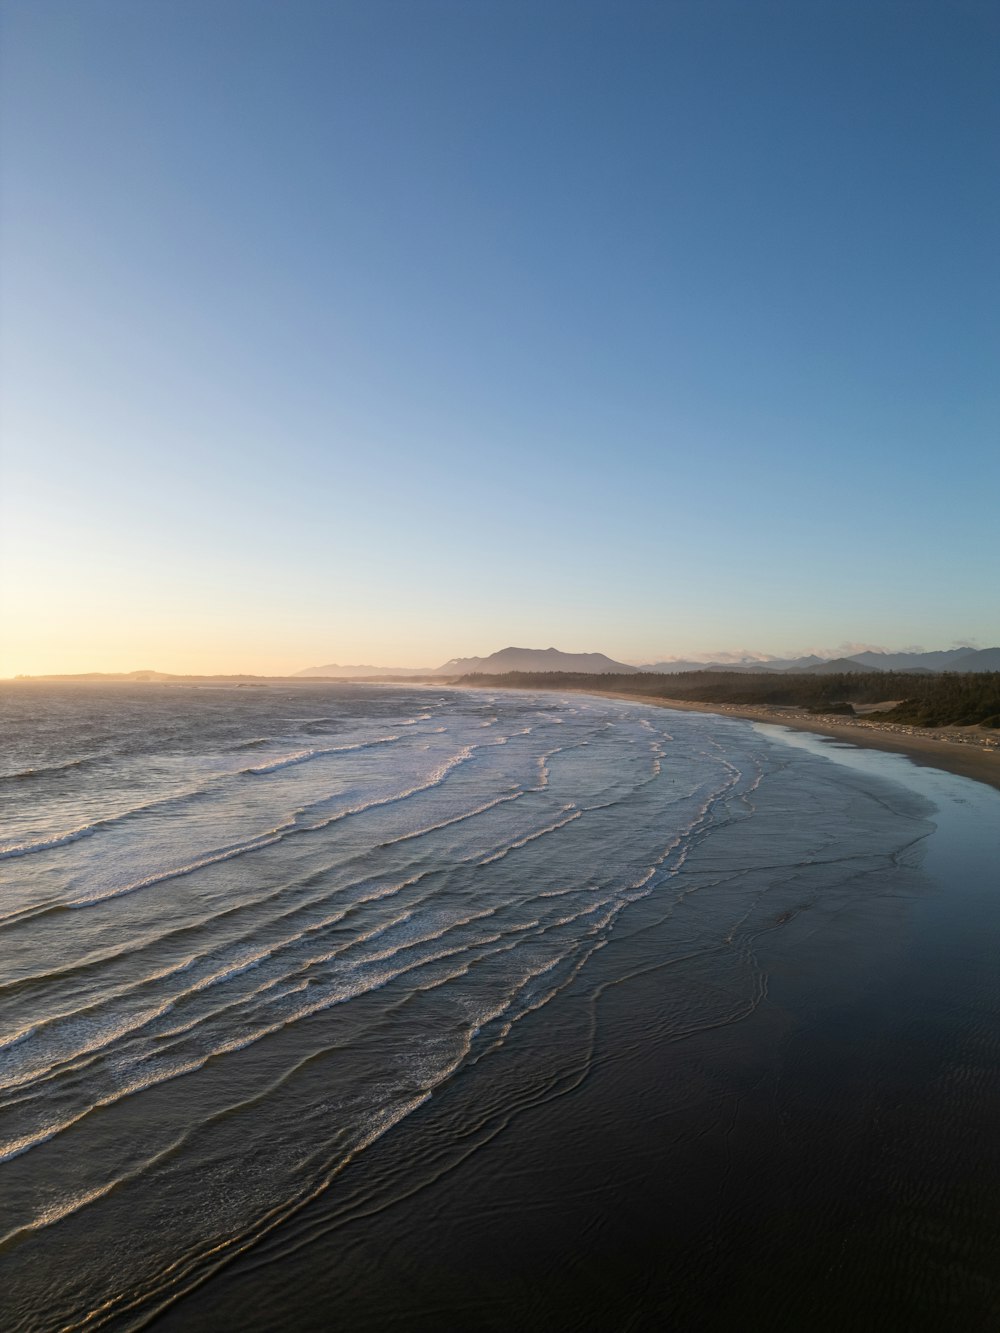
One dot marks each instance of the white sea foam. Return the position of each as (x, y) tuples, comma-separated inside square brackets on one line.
[(52, 840), (304, 756), (285, 761)]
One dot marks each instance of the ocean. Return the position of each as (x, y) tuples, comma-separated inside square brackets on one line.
[(371, 1007)]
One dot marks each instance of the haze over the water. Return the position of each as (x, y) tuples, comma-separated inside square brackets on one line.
[(382, 333)]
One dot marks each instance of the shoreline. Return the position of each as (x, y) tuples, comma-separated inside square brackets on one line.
[(971, 754), (964, 757)]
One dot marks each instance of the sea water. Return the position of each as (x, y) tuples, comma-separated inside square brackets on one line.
[(248, 935)]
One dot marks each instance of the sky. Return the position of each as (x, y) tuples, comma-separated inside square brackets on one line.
[(384, 332)]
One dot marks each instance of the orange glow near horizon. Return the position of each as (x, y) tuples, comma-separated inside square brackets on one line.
[(118, 652)]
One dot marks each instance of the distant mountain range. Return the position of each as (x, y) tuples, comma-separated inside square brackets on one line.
[(950, 659), (535, 659), (552, 659)]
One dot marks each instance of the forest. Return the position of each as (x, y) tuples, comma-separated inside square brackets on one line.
[(939, 699)]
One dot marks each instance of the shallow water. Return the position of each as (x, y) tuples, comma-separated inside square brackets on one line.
[(279, 961)]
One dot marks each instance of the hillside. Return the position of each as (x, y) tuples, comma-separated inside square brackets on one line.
[(536, 659), (984, 659), (837, 666)]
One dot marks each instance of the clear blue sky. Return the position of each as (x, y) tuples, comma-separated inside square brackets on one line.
[(386, 332)]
